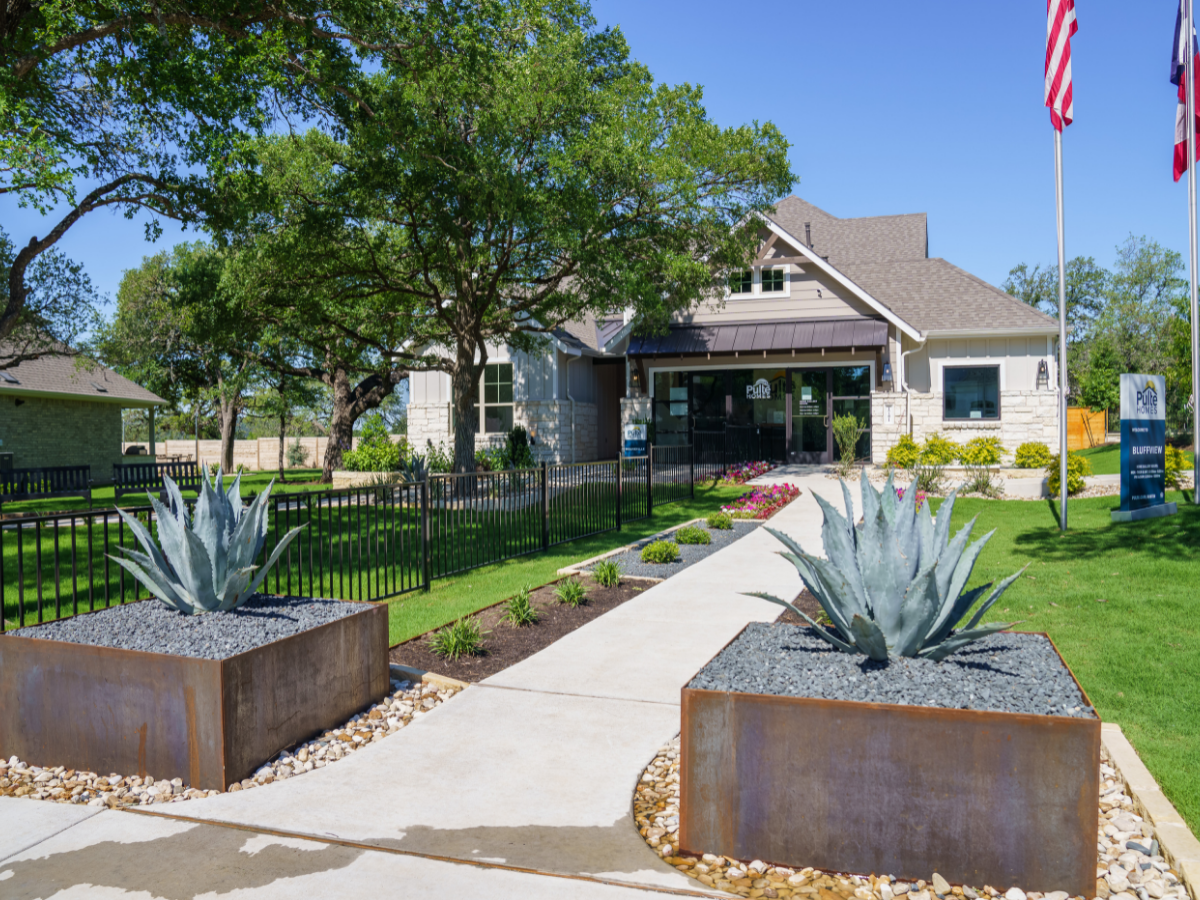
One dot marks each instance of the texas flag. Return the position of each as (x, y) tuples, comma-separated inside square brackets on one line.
[(1179, 77)]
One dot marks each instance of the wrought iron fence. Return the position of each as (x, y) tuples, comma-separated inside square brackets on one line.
[(363, 543)]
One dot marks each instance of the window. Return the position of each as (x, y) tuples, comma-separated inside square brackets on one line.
[(971, 392), (772, 280), (497, 395), (741, 282)]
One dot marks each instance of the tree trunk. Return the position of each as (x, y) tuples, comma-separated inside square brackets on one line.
[(230, 408), (465, 386), (282, 440), (341, 424)]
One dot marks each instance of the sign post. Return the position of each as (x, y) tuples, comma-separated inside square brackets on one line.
[(1143, 449)]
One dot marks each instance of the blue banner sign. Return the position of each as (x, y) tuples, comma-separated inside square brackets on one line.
[(635, 440), (1143, 448)]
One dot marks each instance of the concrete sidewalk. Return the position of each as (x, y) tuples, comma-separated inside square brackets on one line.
[(521, 786)]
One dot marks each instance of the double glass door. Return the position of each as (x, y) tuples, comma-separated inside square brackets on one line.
[(818, 395)]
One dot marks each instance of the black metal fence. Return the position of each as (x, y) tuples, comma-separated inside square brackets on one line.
[(364, 543)]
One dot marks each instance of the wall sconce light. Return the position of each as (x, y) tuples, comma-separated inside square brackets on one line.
[(1043, 375), (636, 377), (533, 433), (887, 372)]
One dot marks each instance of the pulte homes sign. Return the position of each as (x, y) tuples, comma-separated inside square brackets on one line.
[(1143, 449)]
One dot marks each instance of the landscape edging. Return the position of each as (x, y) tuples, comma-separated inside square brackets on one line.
[(408, 673), (576, 568), (1176, 841)]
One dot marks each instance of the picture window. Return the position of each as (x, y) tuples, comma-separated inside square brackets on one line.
[(971, 392), (497, 395)]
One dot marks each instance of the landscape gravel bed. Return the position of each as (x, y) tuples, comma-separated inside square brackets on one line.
[(689, 554), (1129, 861), (1007, 672), (153, 627)]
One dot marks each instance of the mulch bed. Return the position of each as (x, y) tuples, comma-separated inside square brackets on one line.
[(507, 645), (806, 603)]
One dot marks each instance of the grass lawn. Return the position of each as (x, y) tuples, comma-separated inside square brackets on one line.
[(102, 497), (1120, 602), (1106, 459), (460, 595)]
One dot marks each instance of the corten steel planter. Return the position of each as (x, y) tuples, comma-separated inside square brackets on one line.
[(992, 798), (209, 722)]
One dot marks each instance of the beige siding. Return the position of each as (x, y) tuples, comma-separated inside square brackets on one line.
[(811, 295), (429, 387), (533, 375), (1017, 356), (582, 384)]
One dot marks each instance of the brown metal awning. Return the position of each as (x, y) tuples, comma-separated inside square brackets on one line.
[(773, 337)]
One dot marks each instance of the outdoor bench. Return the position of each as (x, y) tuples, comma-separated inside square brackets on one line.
[(140, 478), (51, 481)]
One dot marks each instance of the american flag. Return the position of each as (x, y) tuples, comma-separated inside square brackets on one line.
[(1179, 52), (1060, 27)]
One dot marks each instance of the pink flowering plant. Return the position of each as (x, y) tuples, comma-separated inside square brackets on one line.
[(743, 472), (920, 497), (762, 502)]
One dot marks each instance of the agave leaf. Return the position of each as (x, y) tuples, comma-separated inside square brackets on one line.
[(945, 513), (949, 558), (279, 548), (235, 591), (887, 573), (849, 520), (917, 613), (163, 592), (952, 612), (820, 632), (962, 571), (869, 639), (830, 589), (154, 557), (888, 500), (957, 641), (784, 539), (195, 572), (1000, 589), (247, 539), (178, 508), (840, 549)]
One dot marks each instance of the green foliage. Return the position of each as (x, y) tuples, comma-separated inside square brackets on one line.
[(1032, 455), (690, 534), (660, 552), (437, 460), (981, 451), (520, 456), (1177, 461), (571, 591), (296, 454), (1078, 468), (463, 637), (904, 453), (939, 451), (983, 480), (607, 573), (719, 521), (519, 611), (905, 602), (206, 562), (846, 430), (376, 452), (490, 459)]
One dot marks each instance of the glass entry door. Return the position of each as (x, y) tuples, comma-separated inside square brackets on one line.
[(851, 396), (810, 417)]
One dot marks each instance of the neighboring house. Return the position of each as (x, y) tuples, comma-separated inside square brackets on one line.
[(55, 411), (835, 316)]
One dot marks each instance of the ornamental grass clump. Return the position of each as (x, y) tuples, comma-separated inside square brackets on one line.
[(660, 552), (204, 563), (519, 611), (690, 534), (607, 573), (571, 592), (461, 638), (893, 584)]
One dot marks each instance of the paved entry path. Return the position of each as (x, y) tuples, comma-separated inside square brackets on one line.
[(520, 787)]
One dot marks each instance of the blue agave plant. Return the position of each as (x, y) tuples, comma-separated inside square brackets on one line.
[(893, 584), (206, 564)]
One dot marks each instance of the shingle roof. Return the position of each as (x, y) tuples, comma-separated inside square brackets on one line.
[(589, 332), (69, 377), (847, 241), (933, 295)]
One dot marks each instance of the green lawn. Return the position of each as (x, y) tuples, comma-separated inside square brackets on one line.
[(1120, 602), (1105, 460), (465, 593), (102, 497)]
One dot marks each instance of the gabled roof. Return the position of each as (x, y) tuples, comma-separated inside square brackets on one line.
[(71, 378), (848, 241)]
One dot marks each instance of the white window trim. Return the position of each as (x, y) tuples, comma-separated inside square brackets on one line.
[(756, 291), (482, 406)]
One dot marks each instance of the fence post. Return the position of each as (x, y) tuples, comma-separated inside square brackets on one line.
[(725, 453), (545, 507), (649, 479), (425, 561), (620, 489), (692, 469)]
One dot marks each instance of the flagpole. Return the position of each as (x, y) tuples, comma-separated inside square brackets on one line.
[(1189, 63), (1062, 334)]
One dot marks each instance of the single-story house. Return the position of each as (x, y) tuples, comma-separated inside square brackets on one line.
[(834, 316), (58, 410)]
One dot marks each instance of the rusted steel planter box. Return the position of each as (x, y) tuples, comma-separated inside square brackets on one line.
[(991, 798), (209, 722)]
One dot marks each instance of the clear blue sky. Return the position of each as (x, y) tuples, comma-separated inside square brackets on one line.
[(891, 108)]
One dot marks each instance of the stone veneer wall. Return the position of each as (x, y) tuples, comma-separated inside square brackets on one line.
[(44, 432), (548, 422), (1024, 416)]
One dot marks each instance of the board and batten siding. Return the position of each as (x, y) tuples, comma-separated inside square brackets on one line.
[(533, 377), (1017, 356), (806, 295)]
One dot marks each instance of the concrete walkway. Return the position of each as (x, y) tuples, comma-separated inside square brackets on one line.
[(519, 787)]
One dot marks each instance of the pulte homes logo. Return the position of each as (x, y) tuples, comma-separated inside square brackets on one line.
[(1147, 400)]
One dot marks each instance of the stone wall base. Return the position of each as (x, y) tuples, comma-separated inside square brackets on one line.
[(547, 421)]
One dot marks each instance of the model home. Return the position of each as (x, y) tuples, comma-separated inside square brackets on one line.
[(834, 316)]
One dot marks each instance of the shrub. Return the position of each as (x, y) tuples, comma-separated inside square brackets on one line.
[(1177, 462), (904, 454), (930, 479), (437, 459), (985, 481), (296, 455), (462, 638), (982, 451), (1078, 468), (939, 451), (375, 451), (660, 552), (490, 459), (571, 592), (517, 449), (719, 521), (1032, 455), (519, 611), (690, 534), (846, 430), (607, 573)]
